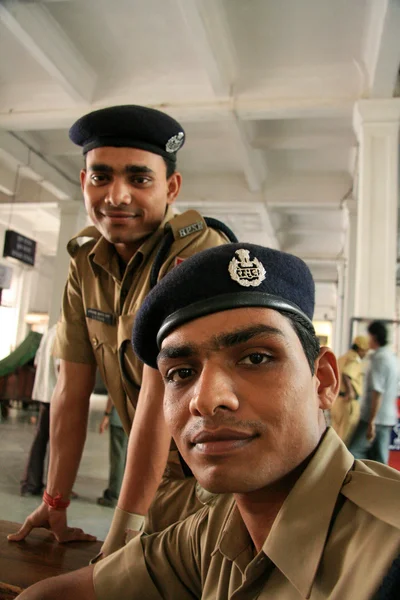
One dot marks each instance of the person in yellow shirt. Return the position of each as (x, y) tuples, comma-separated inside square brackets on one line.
[(345, 412)]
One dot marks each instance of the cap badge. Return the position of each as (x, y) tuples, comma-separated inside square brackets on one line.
[(245, 271), (175, 142)]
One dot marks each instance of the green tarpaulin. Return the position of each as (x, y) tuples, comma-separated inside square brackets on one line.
[(22, 354)]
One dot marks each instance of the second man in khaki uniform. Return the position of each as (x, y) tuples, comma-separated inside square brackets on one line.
[(345, 412), (129, 184)]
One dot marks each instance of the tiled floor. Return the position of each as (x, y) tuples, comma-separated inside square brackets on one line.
[(16, 434)]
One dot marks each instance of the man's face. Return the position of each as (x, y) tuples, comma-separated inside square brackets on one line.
[(362, 353), (126, 192), (240, 399)]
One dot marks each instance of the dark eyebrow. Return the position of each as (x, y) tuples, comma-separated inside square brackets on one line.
[(233, 338), (129, 169), (184, 351), (224, 340)]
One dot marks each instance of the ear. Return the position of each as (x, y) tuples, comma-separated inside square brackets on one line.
[(327, 378), (83, 178), (174, 185)]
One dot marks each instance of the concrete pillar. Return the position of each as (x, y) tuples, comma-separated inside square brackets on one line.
[(376, 123), (24, 294), (72, 220), (349, 274)]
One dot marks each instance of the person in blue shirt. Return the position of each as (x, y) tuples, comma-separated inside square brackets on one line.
[(378, 405)]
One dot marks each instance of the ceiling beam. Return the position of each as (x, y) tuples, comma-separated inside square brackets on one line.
[(382, 48), (206, 22), (15, 149), (305, 141), (254, 168), (44, 39), (246, 108)]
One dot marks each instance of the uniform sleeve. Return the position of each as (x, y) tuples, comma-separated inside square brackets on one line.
[(378, 375), (156, 567), (72, 340)]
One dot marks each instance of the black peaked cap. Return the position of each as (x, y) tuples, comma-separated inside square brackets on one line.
[(129, 126), (222, 278)]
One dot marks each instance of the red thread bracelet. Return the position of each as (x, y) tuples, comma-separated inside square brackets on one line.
[(57, 503)]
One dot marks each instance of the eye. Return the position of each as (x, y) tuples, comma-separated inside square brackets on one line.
[(255, 358), (178, 375), (141, 180), (99, 178)]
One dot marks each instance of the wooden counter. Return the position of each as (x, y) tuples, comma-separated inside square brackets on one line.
[(37, 557)]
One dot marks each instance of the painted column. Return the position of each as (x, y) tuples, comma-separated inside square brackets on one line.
[(350, 274), (376, 123), (72, 220)]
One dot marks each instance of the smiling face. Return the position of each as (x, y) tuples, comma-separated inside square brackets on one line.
[(240, 399), (126, 193)]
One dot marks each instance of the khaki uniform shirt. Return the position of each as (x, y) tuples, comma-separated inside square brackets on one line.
[(335, 537), (350, 364), (100, 302)]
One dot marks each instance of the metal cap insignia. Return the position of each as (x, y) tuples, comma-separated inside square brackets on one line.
[(245, 271), (175, 142)]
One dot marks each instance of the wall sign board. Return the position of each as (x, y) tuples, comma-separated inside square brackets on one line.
[(20, 247)]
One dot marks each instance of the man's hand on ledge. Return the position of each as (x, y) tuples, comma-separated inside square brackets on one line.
[(53, 520)]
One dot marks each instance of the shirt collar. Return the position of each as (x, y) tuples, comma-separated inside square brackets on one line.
[(104, 254), (234, 539), (314, 494)]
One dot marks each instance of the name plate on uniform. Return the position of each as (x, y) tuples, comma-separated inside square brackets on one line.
[(191, 229), (99, 315)]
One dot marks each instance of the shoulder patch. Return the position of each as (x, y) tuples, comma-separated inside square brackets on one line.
[(178, 261)]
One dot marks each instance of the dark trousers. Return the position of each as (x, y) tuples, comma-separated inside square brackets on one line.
[(33, 477), (377, 450), (118, 447)]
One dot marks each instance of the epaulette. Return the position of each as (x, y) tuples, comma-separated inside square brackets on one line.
[(189, 223), (88, 233)]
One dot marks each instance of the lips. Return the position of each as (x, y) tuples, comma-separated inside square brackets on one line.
[(120, 215), (221, 441)]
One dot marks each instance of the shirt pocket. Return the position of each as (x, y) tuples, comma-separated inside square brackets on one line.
[(103, 339)]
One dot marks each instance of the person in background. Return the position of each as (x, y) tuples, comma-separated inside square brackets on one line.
[(345, 412), (32, 483), (379, 402), (117, 453)]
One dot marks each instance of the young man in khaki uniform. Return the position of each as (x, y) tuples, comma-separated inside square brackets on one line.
[(129, 184), (246, 384), (345, 411)]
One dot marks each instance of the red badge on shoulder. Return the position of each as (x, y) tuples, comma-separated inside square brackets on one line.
[(178, 261)]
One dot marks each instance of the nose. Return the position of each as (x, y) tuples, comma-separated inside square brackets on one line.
[(118, 192), (214, 390)]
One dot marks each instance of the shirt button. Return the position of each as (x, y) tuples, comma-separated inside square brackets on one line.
[(94, 342)]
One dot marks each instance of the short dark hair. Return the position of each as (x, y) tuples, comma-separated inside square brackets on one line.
[(379, 331), (170, 166), (306, 334)]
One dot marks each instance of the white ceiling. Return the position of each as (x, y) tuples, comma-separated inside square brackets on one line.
[(265, 90)]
